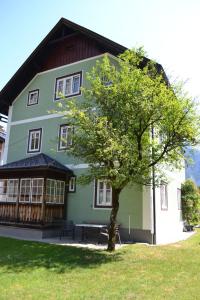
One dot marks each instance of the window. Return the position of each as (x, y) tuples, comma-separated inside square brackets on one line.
[(12, 191), (72, 184), (33, 97), (31, 190), (103, 194), (164, 197), (179, 198), (65, 137), (8, 190), (25, 190), (106, 82), (37, 185), (34, 140), (3, 190), (55, 191), (68, 85)]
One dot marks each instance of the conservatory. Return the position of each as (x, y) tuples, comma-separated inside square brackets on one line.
[(33, 191)]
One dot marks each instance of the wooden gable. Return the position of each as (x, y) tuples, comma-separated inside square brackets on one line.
[(71, 49)]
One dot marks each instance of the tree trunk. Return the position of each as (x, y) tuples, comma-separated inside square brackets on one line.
[(113, 216)]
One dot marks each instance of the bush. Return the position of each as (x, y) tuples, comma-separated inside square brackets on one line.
[(190, 199)]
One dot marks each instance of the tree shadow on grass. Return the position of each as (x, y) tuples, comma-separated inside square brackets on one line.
[(19, 256)]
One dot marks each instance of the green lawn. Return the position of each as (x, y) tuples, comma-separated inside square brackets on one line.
[(30, 270)]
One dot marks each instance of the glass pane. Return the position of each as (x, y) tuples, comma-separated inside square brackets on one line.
[(33, 98), (63, 137), (76, 84), (100, 196), (69, 136), (60, 84), (68, 86), (3, 189), (108, 197), (101, 185), (32, 144)]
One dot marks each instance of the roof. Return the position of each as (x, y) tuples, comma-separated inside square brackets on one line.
[(39, 161), (31, 66)]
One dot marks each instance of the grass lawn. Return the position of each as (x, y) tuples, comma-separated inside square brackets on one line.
[(30, 270)]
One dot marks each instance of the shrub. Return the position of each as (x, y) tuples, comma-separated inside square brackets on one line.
[(190, 199)]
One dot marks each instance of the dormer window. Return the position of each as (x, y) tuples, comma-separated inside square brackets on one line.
[(33, 97), (68, 86)]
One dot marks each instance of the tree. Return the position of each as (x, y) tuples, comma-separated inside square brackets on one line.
[(190, 200), (130, 121)]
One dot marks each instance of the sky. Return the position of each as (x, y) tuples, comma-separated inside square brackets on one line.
[(168, 30)]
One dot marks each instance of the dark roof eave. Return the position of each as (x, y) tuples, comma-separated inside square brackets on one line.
[(40, 168)]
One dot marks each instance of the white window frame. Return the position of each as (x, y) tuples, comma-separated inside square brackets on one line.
[(68, 78), (56, 197), (37, 194), (164, 196), (31, 190), (72, 184), (25, 186), (12, 193), (64, 142), (8, 196), (179, 198), (36, 98), (104, 204), (31, 134)]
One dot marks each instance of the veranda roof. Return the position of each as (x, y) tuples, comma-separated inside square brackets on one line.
[(36, 162)]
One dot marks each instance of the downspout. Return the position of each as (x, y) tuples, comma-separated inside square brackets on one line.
[(153, 193), (154, 205)]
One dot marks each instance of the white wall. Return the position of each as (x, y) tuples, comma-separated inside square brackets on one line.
[(169, 224)]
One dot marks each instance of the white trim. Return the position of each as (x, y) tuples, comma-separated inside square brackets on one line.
[(5, 155), (80, 166), (61, 67), (44, 117), (72, 184)]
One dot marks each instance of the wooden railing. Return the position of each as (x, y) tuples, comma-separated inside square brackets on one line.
[(31, 213)]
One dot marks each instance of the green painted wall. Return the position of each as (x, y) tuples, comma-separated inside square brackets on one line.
[(80, 204), (45, 82), (18, 141)]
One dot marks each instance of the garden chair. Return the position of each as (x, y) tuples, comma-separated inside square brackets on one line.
[(104, 232), (67, 229)]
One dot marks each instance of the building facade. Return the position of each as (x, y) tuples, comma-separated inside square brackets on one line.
[(38, 179)]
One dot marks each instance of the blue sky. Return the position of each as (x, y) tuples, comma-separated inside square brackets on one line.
[(168, 30)]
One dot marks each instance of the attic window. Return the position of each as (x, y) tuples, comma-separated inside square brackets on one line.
[(68, 86), (33, 97)]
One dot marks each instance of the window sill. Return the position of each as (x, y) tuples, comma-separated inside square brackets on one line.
[(102, 207)]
